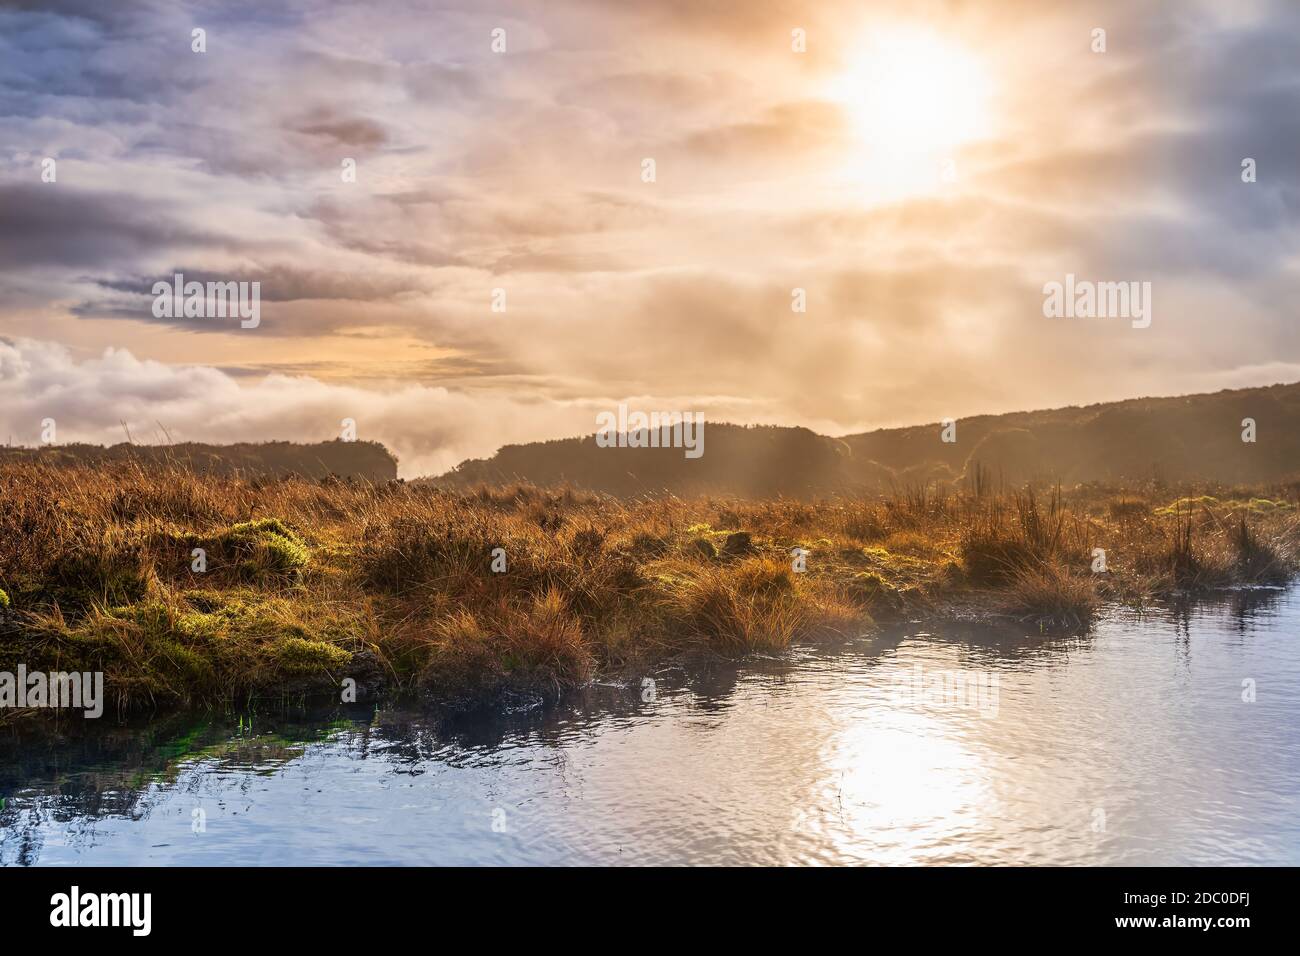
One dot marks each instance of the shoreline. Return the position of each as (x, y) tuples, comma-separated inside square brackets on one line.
[(194, 592), (323, 697), (323, 693)]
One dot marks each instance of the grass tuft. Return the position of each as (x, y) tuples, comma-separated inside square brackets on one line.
[(1053, 597), (309, 582)]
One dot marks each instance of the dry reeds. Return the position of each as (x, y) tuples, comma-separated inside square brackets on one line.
[(308, 582)]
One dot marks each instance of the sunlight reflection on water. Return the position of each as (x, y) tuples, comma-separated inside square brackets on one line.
[(1130, 746)]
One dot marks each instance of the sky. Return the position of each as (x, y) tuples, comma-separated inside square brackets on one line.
[(911, 173)]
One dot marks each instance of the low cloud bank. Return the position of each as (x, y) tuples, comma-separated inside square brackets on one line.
[(430, 429)]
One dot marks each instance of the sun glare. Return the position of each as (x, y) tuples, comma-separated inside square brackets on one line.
[(913, 95)]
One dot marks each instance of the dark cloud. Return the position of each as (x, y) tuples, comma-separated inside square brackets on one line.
[(280, 283), (56, 225), (326, 301), (344, 131)]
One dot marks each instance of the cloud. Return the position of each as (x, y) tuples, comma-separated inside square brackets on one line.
[(521, 171), (430, 429), (57, 225), (131, 297)]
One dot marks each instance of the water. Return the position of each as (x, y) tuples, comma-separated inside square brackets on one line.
[(1132, 745)]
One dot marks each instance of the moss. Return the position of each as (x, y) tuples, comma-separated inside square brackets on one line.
[(4, 599), (229, 644), (1185, 505), (191, 666), (267, 545), (251, 530), (1265, 505), (868, 584), (298, 657)]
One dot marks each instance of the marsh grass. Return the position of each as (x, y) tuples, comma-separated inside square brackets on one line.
[(1053, 597), (309, 582)]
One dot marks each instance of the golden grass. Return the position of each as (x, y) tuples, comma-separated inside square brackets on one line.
[(310, 582)]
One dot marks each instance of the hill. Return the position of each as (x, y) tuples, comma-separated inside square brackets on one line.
[(369, 461), (1193, 438)]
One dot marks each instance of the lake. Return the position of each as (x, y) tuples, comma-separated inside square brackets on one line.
[(1167, 738)]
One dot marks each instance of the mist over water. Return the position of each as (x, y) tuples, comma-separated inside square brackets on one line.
[(1132, 745)]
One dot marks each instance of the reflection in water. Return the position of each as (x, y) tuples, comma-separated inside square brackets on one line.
[(961, 744)]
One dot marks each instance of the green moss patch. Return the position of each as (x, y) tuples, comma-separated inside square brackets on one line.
[(201, 648), (268, 546)]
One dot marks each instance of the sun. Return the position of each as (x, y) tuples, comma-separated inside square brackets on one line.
[(913, 94)]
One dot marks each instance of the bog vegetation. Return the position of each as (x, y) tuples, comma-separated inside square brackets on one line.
[(308, 582)]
